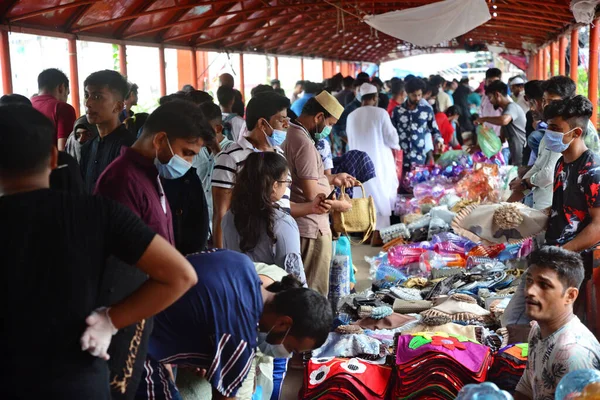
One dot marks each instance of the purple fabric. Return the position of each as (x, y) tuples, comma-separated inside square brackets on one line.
[(471, 358)]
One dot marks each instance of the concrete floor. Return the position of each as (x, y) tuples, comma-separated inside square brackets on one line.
[(293, 379)]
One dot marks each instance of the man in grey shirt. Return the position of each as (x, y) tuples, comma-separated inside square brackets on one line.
[(512, 120)]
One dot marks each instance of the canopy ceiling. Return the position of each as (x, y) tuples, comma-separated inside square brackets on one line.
[(284, 27)]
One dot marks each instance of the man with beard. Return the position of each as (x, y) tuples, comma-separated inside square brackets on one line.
[(558, 342), (416, 126), (512, 120)]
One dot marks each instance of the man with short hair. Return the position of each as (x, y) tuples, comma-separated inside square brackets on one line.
[(443, 100), (346, 95), (310, 185), (383, 98), (416, 126), (517, 92), (171, 137), (267, 122), (461, 100), (298, 89), (512, 121), (562, 87), (398, 95), (130, 100), (238, 105), (487, 109), (204, 162), (276, 85), (51, 100), (338, 131), (558, 342), (55, 246), (233, 124), (310, 90), (105, 93)]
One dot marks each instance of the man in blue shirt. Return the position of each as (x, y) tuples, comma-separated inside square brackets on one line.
[(310, 90), (217, 325), (416, 126)]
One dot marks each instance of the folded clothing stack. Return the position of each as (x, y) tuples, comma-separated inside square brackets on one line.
[(347, 379), (509, 366), (436, 365)]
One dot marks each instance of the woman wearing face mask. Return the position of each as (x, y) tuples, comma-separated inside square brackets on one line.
[(218, 324), (255, 225)]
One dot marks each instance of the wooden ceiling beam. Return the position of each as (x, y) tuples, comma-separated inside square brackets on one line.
[(50, 10)]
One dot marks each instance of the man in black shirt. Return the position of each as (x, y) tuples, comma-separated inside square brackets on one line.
[(54, 244), (105, 93), (575, 215)]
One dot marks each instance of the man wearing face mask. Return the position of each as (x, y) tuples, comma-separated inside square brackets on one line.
[(370, 130), (218, 324), (309, 183), (172, 136)]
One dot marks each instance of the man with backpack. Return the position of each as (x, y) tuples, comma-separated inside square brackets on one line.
[(233, 124)]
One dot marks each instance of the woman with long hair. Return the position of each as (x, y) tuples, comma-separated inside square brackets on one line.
[(255, 225)]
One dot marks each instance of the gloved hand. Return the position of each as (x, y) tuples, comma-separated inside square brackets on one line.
[(98, 334)]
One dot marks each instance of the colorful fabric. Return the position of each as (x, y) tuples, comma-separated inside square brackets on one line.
[(324, 149), (570, 348), (338, 378), (349, 345), (509, 366)]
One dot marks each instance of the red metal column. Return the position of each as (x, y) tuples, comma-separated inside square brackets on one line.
[(123, 59), (276, 67), (194, 67), (74, 75), (536, 63), (562, 56), (161, 71), (7, 87), (540, 70), (552, 59), (302, 68), (242, 80), (574, 54), (545, 63), (593, 71)]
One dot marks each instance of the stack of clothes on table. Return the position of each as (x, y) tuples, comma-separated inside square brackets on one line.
[(436, 365), (345, 379), (509, 365)]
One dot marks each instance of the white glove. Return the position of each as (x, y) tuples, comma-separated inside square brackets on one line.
[(98, 334)]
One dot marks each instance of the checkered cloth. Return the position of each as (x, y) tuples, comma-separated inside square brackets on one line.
[(356, 163)]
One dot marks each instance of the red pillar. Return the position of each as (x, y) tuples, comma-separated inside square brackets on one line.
[(276, 66), (540, 71), (7, 87), (202, 57), (242, 80), (552, 59), (562, 56), (194, 68), (74, 75), (593, 71), (161, 71), (302, 68), (123, 59), (574, 54), (545, 63), (535, 61)]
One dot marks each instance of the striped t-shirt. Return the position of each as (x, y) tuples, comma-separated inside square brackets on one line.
[(229, 162)]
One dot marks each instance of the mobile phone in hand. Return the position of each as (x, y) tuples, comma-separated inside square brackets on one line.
[(330, 197)]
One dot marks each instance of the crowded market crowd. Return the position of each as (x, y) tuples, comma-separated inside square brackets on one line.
[(209, 242)]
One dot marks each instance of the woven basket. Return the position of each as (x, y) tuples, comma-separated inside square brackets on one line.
[(360, 218)]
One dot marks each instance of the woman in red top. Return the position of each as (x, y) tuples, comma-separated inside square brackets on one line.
[(444, 121)]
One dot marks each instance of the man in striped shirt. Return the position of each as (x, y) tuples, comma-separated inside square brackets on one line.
[(218, 324), (267, 122)]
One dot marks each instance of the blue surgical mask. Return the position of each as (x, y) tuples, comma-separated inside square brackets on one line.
[(273, 350), (554, 141), (277, 137), (323, 134), (175, 168)]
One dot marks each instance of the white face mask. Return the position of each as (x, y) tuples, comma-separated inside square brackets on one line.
[(273, 350)]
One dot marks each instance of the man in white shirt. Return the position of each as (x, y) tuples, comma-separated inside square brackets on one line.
[(443, 100), (558, 342), (517, 89), (370, 129), (233, 124)]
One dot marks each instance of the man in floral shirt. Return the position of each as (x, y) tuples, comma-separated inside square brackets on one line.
[(415, 122), (558, 342)]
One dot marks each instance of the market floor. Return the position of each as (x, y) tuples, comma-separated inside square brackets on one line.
[(293, 379)]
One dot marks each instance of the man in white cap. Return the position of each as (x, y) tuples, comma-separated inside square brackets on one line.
[(517, 89), (370, 129), (309, 182)]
